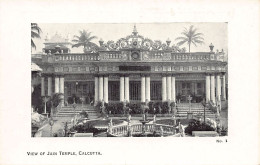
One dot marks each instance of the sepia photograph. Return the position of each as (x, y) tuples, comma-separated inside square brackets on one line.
[(129, 80)]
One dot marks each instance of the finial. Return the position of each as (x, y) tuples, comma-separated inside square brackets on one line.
[(211, 46), (135, 31), (168, 41), (101, 42)]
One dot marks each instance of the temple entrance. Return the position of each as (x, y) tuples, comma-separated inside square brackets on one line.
[(195, 89), (82, 92)]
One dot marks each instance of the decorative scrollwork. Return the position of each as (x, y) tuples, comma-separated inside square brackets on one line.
[(112, 45), (157, 45)]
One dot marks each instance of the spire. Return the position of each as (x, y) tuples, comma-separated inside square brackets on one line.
[(135, 31)]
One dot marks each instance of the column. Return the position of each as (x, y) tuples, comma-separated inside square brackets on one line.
[(173, 89), (127, 88), (96, 89), (106, 89), (218, 92), (100, 89), (147, 88), (62, 89), (122, 89), (49, 86), (57, 85), (62, 85), (42, 87), (164, 97), (142, 89), (207, 88), (169, 88), (212, 88), (224, 87)]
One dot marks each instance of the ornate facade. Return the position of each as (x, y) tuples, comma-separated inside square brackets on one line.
[(133, 69)]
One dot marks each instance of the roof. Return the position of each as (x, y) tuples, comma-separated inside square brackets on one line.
[(35, 68)]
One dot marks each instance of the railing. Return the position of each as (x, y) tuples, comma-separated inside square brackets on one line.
[(191, 57), (122, 130), (119, 56)]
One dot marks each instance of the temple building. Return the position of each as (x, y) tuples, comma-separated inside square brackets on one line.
[(134, 68)]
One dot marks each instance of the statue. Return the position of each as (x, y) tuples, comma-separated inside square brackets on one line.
[(129, 118), (181, 130), (154, 118), (161, 131)]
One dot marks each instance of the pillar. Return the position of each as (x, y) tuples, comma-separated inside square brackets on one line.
[(218, 91), (212, 89), (147, 88), (62, 89), (207, 88), (106, 89), (100, 88), (62, 85), (223, 87), (122, 89), (96, 89), (169, 88), (142, 89), (42, 87), (164, 97), (173, 89), (49, 86), (57, 85), (127, 89)]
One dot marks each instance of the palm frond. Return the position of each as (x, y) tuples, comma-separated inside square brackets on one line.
[(181, 43), (77, 45), (32, 44), (181, 38), (35, 35)]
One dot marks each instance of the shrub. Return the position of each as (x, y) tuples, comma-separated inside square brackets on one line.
[(198, 126)]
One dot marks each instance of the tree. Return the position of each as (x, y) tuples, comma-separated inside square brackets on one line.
[(35, 33), (85, 40), (191, 36)]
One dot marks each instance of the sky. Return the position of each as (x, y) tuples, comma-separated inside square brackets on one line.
[(215, 33)]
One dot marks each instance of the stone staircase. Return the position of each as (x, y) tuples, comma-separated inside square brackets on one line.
[(68, 111), (196, 108)]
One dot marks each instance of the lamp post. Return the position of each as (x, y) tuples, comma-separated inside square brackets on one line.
[(204, 105), (45, 99), (189, 116), (74, 106)]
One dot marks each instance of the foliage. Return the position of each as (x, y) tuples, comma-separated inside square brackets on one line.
[(37, 102), (35, 33), (190, 36), (137, 107), (198, 126), (84, 39)]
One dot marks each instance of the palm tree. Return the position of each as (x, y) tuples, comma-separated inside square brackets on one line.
[(85, 40), (35, 33), (191, 36)]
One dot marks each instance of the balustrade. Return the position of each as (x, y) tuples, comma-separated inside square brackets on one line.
[(122, 130), (151, 56)]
